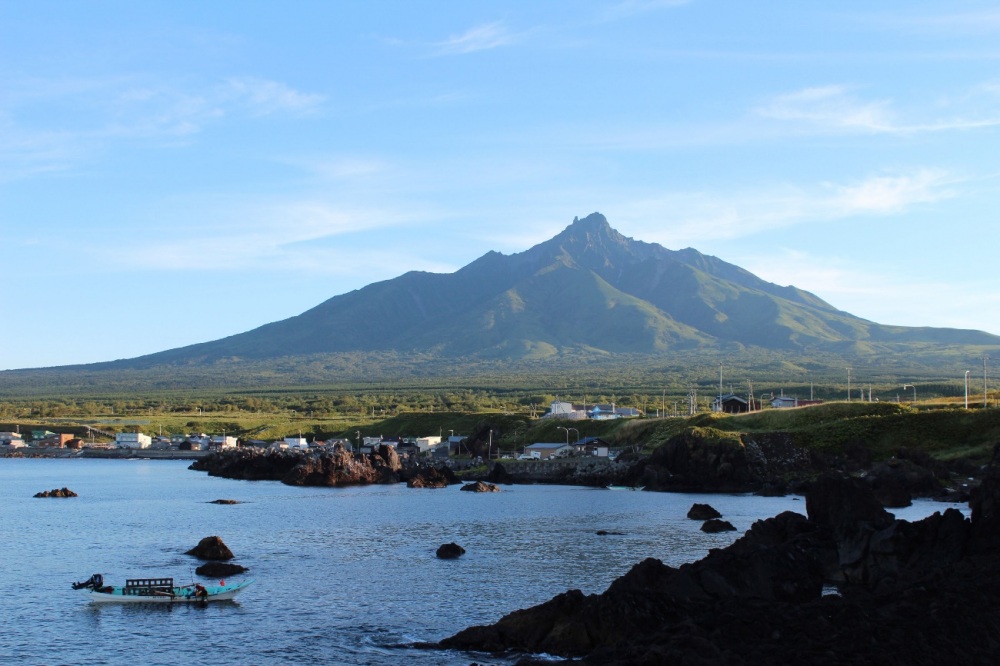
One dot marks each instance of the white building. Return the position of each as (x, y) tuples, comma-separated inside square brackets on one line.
[(133, 440), (425, 444), (223, 442), (566, 410), (295, 443)]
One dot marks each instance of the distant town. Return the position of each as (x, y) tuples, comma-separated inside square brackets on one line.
[(430, 446)]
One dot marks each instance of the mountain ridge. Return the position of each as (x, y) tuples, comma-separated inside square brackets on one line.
[(589, 290)]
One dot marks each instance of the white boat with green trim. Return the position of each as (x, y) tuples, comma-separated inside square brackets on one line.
[(157, 591)]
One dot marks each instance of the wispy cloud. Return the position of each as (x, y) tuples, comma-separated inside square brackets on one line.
[(829, 106), (261, 97), (696, 217), (479, 38), (102, 112), (834, 109), (292, 236), (862, 289)]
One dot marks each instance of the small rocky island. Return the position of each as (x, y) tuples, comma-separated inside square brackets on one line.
[(57, 492), (846, 584)]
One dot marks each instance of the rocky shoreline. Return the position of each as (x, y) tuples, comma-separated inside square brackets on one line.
[(333, 467), (906, 593), (694, 461)]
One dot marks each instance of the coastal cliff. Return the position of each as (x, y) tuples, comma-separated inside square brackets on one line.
[(921, 592)]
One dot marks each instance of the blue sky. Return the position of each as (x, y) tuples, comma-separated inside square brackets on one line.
[(175, 172)]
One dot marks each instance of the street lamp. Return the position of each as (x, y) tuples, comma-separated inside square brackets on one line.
[(967, 389), (574, 430), (906, 386), (358, 433), (567, 433)]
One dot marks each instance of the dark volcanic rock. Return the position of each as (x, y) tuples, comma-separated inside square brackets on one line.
[(480, 487), (219, 569), (922, 592), (450, 551), (337, 467), (57, 492), (211, 548), (986, 509), (702, 512), (499, 474), (697, 460), (896, 481), (433, 477), (714, 525), (224, 501), (340, 467)]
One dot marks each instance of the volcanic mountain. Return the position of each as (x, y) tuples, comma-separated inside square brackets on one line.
[(589, 290)]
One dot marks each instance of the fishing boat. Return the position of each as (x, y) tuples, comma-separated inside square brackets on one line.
[(157, 591), (613, 487)]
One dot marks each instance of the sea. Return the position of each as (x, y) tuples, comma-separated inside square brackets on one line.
[(341, 575)]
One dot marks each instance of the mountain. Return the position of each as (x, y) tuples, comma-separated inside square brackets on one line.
[(587, 290), (589, 306)]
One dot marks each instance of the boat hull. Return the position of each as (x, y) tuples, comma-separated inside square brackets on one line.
[(184, 594)]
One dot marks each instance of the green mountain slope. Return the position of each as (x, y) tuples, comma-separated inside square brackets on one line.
[(589, 290)]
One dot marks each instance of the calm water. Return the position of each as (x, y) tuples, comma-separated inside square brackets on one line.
[(343, 576)]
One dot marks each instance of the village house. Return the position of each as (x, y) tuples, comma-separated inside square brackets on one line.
[(789, 401), (221, 442), (730, 403), (11, 439), (592, 446), (547, 450), (55, 440)]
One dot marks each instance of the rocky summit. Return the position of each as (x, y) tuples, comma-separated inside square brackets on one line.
[(906, 593)]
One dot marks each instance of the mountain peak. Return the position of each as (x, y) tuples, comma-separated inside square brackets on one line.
[(593, 222), (591, 242)]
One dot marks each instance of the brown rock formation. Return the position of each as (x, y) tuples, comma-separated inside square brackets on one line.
[(432, 477), (57, 492), (211, 548), (480, 487)]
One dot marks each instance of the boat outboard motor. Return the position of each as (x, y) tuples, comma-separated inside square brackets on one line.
[(94, 582)]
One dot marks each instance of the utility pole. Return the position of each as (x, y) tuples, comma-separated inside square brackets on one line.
[(720, 386), (848, 385), (985, 358)]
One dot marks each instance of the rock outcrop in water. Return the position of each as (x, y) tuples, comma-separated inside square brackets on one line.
[(211, 548), (432, 477), (480, 487), (336, 467), (220, 569), (703, 512), (57, 492), (450, 551), (921, 592)]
